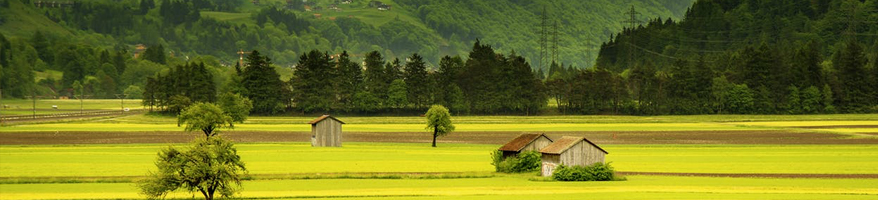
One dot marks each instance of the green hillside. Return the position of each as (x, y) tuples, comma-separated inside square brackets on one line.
[(432, 28)]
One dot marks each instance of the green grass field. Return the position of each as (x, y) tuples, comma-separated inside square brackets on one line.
[(636, 187), (267, 160), (298, 158), (44, 106), (462, 171)]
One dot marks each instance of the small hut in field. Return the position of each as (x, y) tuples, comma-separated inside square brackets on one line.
[(570, 151), (326, 132), (525, 142)]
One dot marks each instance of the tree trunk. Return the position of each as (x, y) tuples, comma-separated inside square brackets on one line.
[(435, 134)]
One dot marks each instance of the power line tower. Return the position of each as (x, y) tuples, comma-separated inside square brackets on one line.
[(543, 33), (632, 24), (555, 42)]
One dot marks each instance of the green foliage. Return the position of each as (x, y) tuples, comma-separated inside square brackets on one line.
[(594, 172), (210, 166), (155, 54), (206, 117), (235, 106), (397, 93), (527, 161), (314, 82), (417, 85), (263, 86), (133, 92), (439, 120)]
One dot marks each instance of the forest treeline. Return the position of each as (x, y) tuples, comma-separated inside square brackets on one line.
[(724, 57), (486, 82), (736, 56)]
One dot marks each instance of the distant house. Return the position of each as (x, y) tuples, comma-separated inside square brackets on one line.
[(570, 151), (333, 6), (525, 142), (138, 50), (347, 2), (385, 7), (326, 132)]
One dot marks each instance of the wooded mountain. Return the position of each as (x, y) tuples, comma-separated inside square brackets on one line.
[(285, 29)]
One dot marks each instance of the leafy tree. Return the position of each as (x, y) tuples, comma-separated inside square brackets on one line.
[(811, 100), (206, 117), (235, 106), (397, 94), (262, 85), (133, 92), (828, 100), (793, 102), (211, 166), (177, 103), (439, 120)]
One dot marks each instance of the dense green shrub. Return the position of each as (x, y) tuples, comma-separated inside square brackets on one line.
[(528, 161), (595, 172)]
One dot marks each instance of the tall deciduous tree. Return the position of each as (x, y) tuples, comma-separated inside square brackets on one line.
[(439, 121), (211, 166), (206, 117), (235, 106)]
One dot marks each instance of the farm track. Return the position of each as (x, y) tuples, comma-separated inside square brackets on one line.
[(600, 137)]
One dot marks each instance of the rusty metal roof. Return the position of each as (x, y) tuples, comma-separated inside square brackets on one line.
[(321, 118), (565, 143), (521, 141)]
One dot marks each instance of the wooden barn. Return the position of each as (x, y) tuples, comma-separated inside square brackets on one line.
[(525, 142), (326, 132), (570, 151)]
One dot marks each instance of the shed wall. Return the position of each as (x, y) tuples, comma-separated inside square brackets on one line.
[(326, 133), (537, 144)]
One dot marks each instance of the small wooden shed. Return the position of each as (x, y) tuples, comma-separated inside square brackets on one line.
[(326, 132), (570, 151), (525, 142)]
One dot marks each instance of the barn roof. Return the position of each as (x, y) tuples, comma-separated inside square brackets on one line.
[(521, 141), (565, 143), (321, 118)]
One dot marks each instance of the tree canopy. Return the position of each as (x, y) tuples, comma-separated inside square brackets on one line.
[(210, 166), (205, 117), (439, 120)]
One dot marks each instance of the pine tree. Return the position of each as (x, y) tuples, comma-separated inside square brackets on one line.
[(350, 80), (850, 63), (415, 76), (263, 86)]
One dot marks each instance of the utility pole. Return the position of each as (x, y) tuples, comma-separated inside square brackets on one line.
[(544, 39), (122, 97), (555, 42), (632, 23)]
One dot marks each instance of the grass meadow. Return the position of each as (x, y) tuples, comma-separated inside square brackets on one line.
[(381, 171), (296, 170)]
